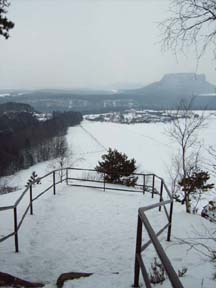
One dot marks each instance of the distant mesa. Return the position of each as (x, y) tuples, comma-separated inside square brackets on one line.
[(172, 77), (163, 94), (194, 83), (179, 84)]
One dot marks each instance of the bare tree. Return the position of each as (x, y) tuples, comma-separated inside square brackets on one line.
[(60, 153), (184, 131), (62, 156), (5, 24), (174, 174), (191, 22), (212, 153), (203, 241), (4, 186)]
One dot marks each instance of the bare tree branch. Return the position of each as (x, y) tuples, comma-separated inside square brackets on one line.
[(184, 131), (192, 22)]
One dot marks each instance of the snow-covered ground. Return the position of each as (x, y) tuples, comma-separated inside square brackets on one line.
[(88, 230), (149, 143), (5, 94)]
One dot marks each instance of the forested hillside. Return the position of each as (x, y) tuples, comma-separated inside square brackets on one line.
[(24, 140)]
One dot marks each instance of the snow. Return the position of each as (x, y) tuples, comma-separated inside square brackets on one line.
[(5, 94), (132, 116), (86, 229), (89, 230), (133, 140), (148, 143), (208, 94)]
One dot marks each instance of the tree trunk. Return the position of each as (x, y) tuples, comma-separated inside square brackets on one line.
[(187, 198), (187, 203)]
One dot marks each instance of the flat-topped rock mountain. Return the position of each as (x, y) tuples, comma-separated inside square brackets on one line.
[(163, 94), (178, 84), (187, 82)]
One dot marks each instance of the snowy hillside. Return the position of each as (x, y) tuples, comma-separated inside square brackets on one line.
[(89, 230)]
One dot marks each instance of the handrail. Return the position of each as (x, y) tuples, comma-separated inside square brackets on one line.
[(14, 207), (144, 246), (152, 206), (173, 277), (142, 218), (140, 248), (143, 188), (6, 208), (21, 196)]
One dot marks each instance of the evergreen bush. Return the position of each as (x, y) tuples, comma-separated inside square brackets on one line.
[(118, 169)]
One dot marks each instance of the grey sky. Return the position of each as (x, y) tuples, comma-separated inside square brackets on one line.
[(92, 43)]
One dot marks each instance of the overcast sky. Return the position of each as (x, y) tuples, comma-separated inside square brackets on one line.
[(89, 43)]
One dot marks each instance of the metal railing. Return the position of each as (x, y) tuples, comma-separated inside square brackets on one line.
[(140, 247), (147, 183), (58, 176), (29, 189)]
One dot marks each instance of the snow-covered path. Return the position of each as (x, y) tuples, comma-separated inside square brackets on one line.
[(79, 229), (89, 230)]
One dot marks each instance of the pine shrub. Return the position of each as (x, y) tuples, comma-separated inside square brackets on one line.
[(118, 169)]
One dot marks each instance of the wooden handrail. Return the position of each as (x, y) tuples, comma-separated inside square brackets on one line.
[(173, 277)]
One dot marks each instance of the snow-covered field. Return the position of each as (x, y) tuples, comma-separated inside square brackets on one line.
[(149, 143), (88, 230)]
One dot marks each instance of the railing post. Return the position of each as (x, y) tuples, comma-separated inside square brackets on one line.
[(67, 176), (153, 184), (143, 183), (161, 194), (31, 205), (61, 175), (137, 253), (170, 222), (16, 231), (54, 185), (104, 182)]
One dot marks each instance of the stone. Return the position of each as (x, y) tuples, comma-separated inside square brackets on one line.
[(7, 280), (70, 276)]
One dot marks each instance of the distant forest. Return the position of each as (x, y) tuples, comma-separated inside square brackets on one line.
[(24, 140)]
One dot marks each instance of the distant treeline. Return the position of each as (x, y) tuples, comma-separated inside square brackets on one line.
[(25, 141), (14, 106), (152, 97)]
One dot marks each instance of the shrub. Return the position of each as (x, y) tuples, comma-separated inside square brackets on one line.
[(194, 185), (118, 169), (157, 273)]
